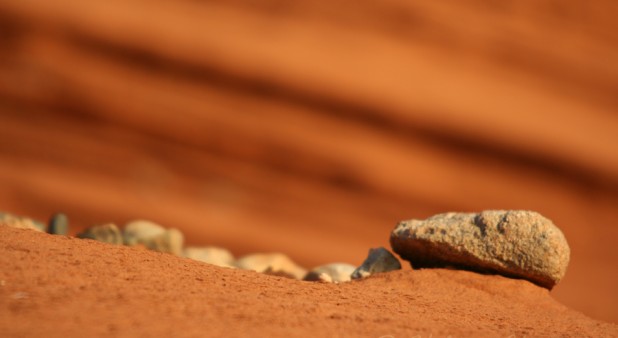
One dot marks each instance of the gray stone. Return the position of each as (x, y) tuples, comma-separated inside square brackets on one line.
[(273, 264), (378, 260), (58, 224), (20, 222), (108, 233), (331, 273), (211, 255), (519, 244), (154, 237)]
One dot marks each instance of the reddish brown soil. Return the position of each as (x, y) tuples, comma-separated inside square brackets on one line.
[(313, 127), (56, 286)]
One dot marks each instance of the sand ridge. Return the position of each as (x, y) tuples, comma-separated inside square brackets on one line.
[(63, 286)]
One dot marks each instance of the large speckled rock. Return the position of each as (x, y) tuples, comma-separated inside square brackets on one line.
[(108, 233), (272, 264), (378, 260), (331, 273), (153, 237), (20, 222), (211, 255), (520, 244)]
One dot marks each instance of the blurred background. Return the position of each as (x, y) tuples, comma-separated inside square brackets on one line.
[(312, 128)]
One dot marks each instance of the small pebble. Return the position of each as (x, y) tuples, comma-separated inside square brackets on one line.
[(136, 232), (378, 260), (171, 241), (108, 233), (331, 273), (273, 264), (58, 224), (211, 255), (154, 237)]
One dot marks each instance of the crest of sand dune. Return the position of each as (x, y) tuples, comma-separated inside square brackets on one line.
[(56, 286)]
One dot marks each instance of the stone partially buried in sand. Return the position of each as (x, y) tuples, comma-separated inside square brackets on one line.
[(272, 264), (378, 260), (58, 224), (107, 233), (331, 273), (153, 237), (20, 222), (211, 255), (138, 231), (520, 244)]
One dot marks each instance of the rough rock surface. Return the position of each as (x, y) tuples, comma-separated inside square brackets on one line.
[(378, 260), (108, 233), (273, 264), (521, 244), (331, 273), (211, 255)]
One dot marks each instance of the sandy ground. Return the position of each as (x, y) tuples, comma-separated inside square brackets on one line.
[(56, 286), (311, 127)]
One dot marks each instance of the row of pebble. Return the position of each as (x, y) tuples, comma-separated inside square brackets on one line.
[(170, 240), (513, 243)]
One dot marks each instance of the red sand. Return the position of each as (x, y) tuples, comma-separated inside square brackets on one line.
[(56, 286), (289, 126)]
